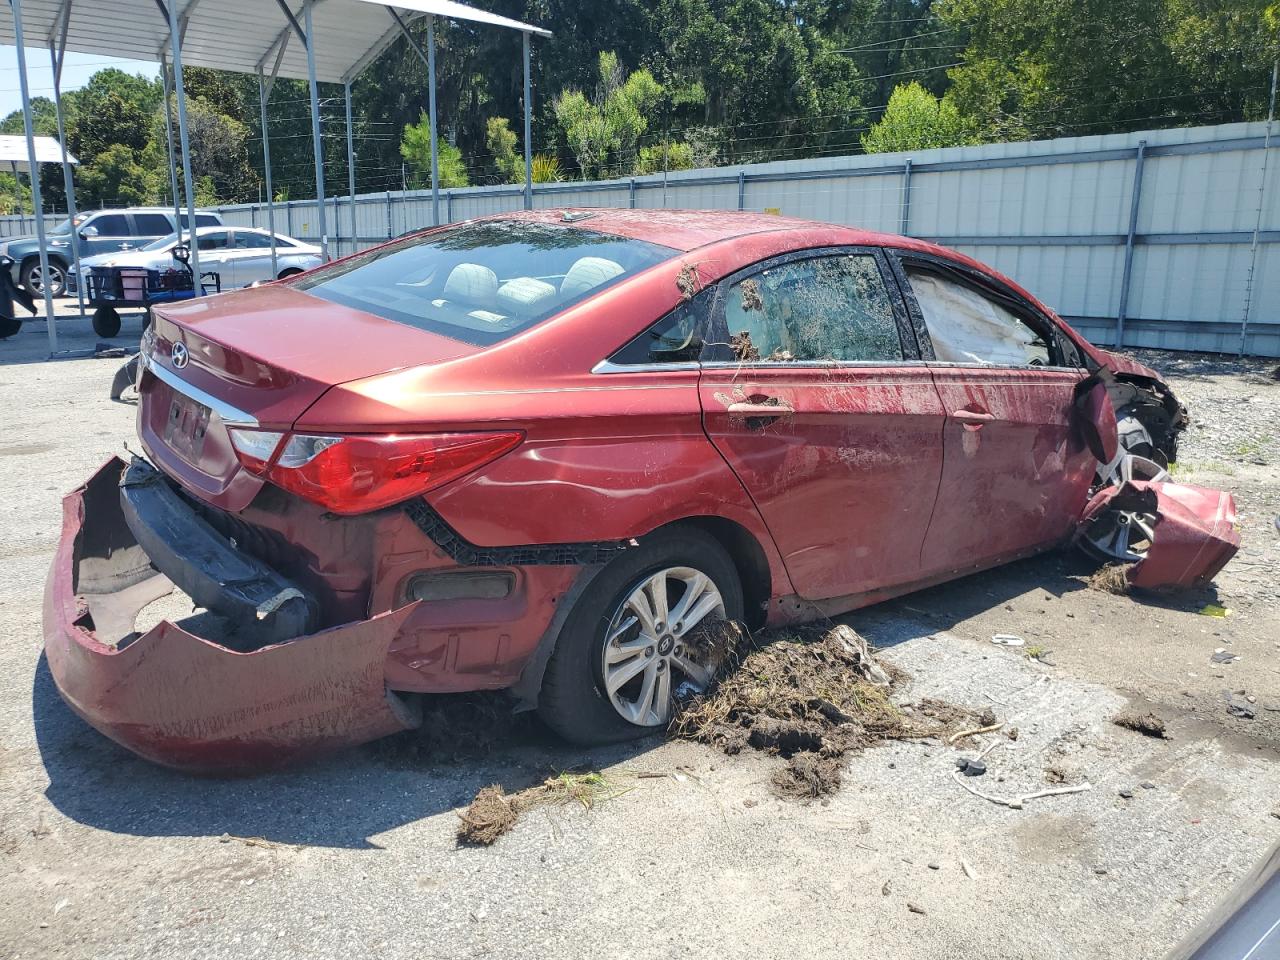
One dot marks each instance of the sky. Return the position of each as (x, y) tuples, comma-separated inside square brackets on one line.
[(76, 72)]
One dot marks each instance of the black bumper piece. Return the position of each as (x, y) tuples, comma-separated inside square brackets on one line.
[(206, 566)]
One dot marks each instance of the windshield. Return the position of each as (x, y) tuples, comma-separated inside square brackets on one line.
[(65, 226), (482, 282)]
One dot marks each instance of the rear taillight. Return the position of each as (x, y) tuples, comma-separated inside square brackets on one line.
[(356, 473)]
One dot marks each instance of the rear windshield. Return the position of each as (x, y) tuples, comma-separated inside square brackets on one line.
[(482, 282)]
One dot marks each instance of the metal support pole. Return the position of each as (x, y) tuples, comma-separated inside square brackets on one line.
[(528, 127), (1134, 202), (1257, 223), (631, 194), (315, 129), (266, 167), (351, 166), (56, 54), (742, 189), (185, 142), (390, 234), (906, 199), (448, 206), (168, 145), (431, 105), (50, 321)]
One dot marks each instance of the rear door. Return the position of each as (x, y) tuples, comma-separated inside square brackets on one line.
[(148, 227), (814, 393), (1015, 471), (215, 256)]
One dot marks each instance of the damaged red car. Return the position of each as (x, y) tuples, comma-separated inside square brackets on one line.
[(537, 452)]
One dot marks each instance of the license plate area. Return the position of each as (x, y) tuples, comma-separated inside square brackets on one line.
[(186, 426)]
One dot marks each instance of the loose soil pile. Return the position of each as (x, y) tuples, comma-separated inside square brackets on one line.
[(1113, 578), (811, 698), (1147, 724), (494, 811)]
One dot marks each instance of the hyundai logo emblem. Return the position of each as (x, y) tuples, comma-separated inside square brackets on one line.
[(179, 356)]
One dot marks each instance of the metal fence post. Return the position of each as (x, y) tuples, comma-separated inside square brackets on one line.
[(906, 199), (1126, 276), (742, 189), (389, 233), (1257, 223), (631, 194), (448, 206)]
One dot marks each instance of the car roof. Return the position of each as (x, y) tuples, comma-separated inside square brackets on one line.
[(686, 230)]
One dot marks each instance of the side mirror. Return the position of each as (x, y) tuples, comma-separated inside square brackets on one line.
[(1096, 419), (182, 253), (89, 232)]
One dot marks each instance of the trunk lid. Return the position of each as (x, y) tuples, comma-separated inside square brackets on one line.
[(256, 358)]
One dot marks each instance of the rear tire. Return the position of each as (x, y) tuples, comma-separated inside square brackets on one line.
[(106, 322), (574, 701), (291, 272)]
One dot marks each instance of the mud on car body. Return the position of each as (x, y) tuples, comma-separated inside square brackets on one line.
[(525, 453)]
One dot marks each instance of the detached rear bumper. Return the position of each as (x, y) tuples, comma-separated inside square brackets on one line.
[(183, 701)]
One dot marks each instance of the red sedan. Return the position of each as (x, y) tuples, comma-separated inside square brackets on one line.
[(536, 452)]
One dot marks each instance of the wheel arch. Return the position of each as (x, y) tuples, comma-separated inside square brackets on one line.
[(747, 554)]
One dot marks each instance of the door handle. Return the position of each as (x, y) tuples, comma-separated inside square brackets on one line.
[(743, 409), (972, 419)]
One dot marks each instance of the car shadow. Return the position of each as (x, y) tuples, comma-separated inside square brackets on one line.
[(344, 801)]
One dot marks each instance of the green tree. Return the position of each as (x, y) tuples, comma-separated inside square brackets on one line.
[(415, 148), (660, 157), (501, 141), (916, 120), (116, 177), (607, 126)]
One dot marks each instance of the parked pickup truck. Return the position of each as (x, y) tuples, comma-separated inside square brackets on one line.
[(101, 231)]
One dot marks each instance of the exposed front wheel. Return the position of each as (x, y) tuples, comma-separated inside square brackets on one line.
[(106, 322), (33, 278), (631, 645)]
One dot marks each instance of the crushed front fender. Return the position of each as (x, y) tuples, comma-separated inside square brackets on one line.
[(1194, 534), (181, 700)]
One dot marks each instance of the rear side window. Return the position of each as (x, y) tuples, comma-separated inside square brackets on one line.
[(967, 326), (204, 220), (482, 282), (832, 308), (676, 338), (152, 224), (251, 241)]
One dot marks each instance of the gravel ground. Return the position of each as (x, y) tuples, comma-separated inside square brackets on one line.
[(103, 856)]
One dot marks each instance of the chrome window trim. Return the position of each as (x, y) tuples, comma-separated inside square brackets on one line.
[(809, 364), (229, 415), (608, 366), (1027, 368)]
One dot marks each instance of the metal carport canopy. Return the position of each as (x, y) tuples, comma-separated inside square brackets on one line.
[(13, 151), (239, 35), (336, 40)]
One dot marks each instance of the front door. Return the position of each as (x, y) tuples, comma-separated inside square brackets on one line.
[(818, 401), (249, 259), (1016, 471)]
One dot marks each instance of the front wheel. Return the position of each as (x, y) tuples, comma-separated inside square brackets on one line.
[(288, 272), (631, 645), (33, 278), (106, 322)]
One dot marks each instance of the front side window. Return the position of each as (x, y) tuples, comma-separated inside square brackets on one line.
[(482, 282), (212, 241), (110, 225), (832, 308), (966, 326)]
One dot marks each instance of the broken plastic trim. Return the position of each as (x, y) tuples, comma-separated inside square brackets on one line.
[(467, 554)]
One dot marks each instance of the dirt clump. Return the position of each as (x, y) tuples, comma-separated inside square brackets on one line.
[(688, 281), (1147, 724), (494, 812), (743, 349), (491, 814), (810, 697), (1113, 578)]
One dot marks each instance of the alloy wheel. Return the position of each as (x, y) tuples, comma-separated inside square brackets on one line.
[(35, 280), (647, 643)]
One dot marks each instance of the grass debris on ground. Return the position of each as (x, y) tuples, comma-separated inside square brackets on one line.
[(810, 696), (1113, 578), (494, 811), (1147, 724)]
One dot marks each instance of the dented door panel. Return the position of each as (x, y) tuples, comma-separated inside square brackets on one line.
[(1015, 472), (844, 476)]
